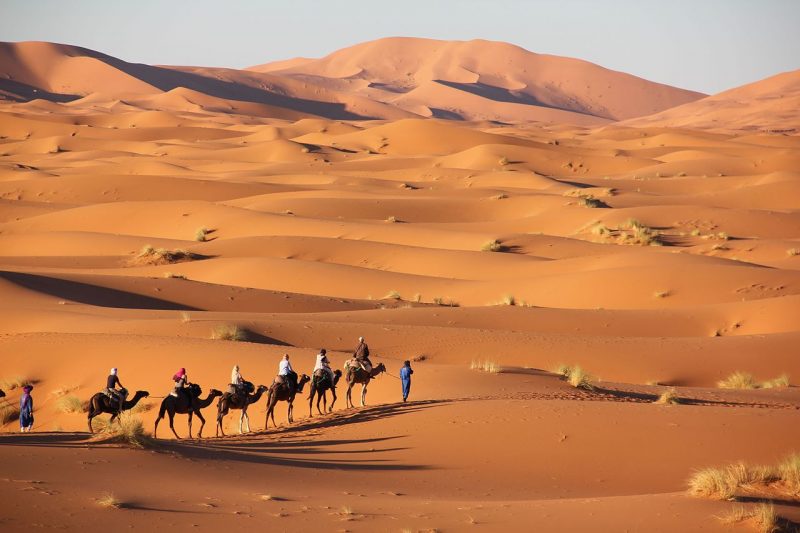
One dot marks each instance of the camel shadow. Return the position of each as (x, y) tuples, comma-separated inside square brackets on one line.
[(296, 450), (47, 440)]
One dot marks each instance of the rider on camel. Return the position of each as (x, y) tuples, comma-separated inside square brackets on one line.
[(286, 374), (117, 395), (324, 365)]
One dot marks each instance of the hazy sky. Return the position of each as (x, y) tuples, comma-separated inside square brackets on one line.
[(705, 45)]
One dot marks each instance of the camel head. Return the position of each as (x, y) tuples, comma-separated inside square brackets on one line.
[(337, 375), (262, 388), (302, 382), (380, 367), (214, 393), (141, 394)]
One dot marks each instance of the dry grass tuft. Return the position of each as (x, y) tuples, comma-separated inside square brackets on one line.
[(14, 382), (229, 332), (492, 246), (780, 381), (392, 219), (762, 516), (69, 404), (668, 397), (791, 252), (447, 302), (738, 380), (743, 380), (711, 483), (508, 299), (172, 275), (392, 295), (185, 317), (503, 161), (161, 256), (128, 431), (8, 413), (789, 473), (661, 294), (201, 235), (723, 483), (485, 366), (580, 379), (109, 501)]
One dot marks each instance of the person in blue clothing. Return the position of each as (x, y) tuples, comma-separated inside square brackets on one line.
[(405, 378), (26, 409)]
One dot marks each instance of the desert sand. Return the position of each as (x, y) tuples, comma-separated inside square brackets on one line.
[(458, 204)]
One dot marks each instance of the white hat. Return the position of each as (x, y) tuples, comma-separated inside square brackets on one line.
[(113, 371), (361, 339)]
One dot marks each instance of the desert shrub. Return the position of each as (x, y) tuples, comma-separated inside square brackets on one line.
[(600, 230), (438, 300), (169, 275), (743, 380), (661, 294), (392, 219), (592, 202), (738, 380), (201, 234), (485, 366), (392, 295), (508, 299), (14, 382), (503, 161), (229, 332), (492, 246), (161, 256), (127, 430), (109, 501), (8, 413), (793, 251), (761, 515), (579, 378), (780, 381), (668, 397), (69, 404), (711, 483)]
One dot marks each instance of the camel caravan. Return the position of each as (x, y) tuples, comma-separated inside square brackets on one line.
[(186, 397)]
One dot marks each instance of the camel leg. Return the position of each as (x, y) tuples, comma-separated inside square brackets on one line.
[(320, 396), (311, 402), (348, 397), (190, 424), (172, 424), (91, 415), (291, 410), (363, 394), (241, 418), (333, 401), (155, 429), (202, 423)]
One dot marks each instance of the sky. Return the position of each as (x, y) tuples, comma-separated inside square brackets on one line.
[(703, 45)]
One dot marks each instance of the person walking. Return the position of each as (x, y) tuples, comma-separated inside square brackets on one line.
[(26, 409), (405, 378)]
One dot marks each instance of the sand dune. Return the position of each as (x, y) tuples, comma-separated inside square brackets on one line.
[(766, 105), (145, 211)]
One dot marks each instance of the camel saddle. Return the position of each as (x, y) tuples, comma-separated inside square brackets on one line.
[(123, 393), (322, 376)]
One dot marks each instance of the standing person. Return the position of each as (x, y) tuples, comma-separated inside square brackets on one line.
[(111, 389), (26, 409), (287, 374), (405, 378), (361, 354)]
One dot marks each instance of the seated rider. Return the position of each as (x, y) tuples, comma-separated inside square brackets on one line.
[(286, 374), (117, 395), (237, 382), (361, 356), (181, 380), (324, 365)]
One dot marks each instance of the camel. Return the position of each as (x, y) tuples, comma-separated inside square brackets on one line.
[(228, 402), (321, 390), (278, 392), (100, 403), (359, 375), (181, 405)]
